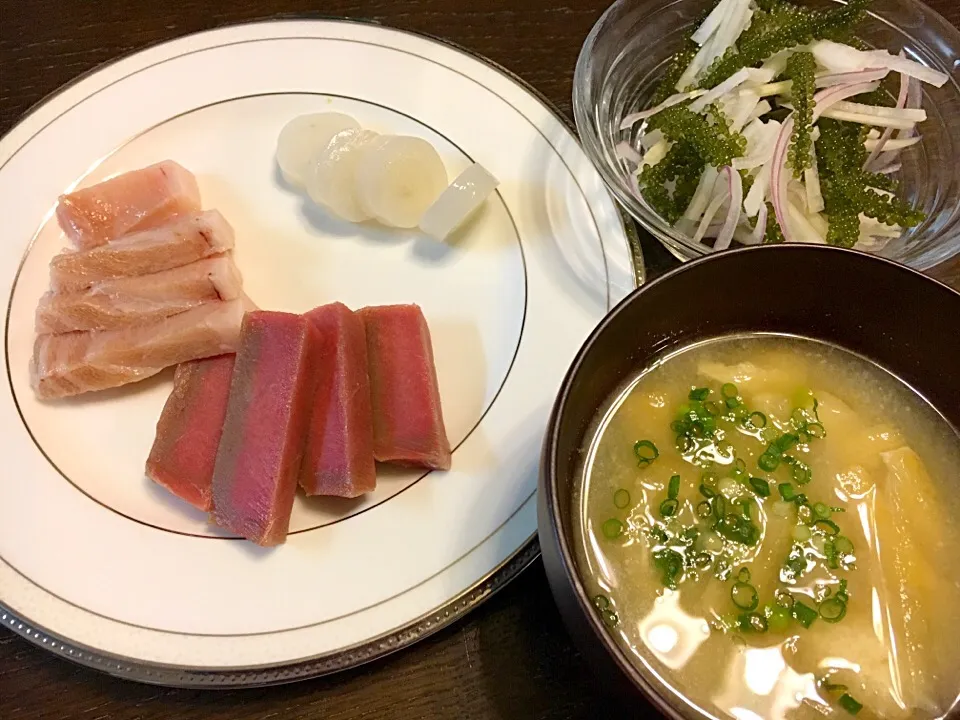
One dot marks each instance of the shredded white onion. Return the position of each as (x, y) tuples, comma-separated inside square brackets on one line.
[(626, 151), (701, 196), (760, 231), (893, 145), (867, 119), (633, 118), (843, 58), (731, 83), (909, 67), (805, 230), (845, 78), (657, 153), (720, 196)]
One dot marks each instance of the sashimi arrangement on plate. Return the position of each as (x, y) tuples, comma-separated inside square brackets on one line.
[(281, 350)]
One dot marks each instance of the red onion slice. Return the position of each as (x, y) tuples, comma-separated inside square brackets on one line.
[(888, 132), (735, 191), (779, 177)]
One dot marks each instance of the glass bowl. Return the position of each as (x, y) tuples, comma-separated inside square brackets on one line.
[(624, 55)]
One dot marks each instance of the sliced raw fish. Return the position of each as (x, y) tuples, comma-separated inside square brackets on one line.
[(268, 414), (182, 242), (407, 417), (127, 203), (338, 459), (121, 302), (78, 362), (188, 432)]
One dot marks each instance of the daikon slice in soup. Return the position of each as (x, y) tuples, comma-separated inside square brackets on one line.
[(769, 526)]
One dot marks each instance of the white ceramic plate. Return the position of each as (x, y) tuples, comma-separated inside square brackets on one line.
[(101, 566)]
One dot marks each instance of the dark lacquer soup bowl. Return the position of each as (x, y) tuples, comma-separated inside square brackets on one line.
[(898, 319)]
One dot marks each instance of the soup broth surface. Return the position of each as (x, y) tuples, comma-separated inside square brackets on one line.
[(769, 525)]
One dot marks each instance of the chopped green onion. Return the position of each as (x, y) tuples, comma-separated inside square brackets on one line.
[(744, 596), (673, 490), (740, 465), (786, 442), (833, 609), (731, 403), (691, 534), (646, 452), (815, 430), (719, 506), (612, 529), (768, 462), (711, 407), (850, 704), (786, 491), (798, 417), (784, 598), (601, 602), (610, 619), (668, 508), (760, 487), (729, 390), (745, 508), (699, 394), (805, 514), (752, 622), (744, 575), (670, 564), (703, 508), (702, 560), (843, 545), (757, 420), (778, 618), (828, 526), (800, 499), (621, 498), (804, 614), (738, 530), (800, 470)]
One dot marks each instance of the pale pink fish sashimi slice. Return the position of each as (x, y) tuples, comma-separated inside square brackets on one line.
[(407, 417), (268, 414), (189, 429), (78, 362), (184, 241), (134, 201), (121, 302), (338, 459)]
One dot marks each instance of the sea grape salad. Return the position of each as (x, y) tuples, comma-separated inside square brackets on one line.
[(773, 124)]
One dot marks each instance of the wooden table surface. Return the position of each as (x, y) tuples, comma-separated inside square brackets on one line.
[(511, 658)]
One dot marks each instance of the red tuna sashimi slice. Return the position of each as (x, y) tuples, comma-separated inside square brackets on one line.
[(188, 431), (268, 414), (127, 203), (338, 459), (407, 418), (121, 302), (79, 362), (180, 243)]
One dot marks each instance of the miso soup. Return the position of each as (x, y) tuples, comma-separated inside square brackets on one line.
[(771, 526)]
